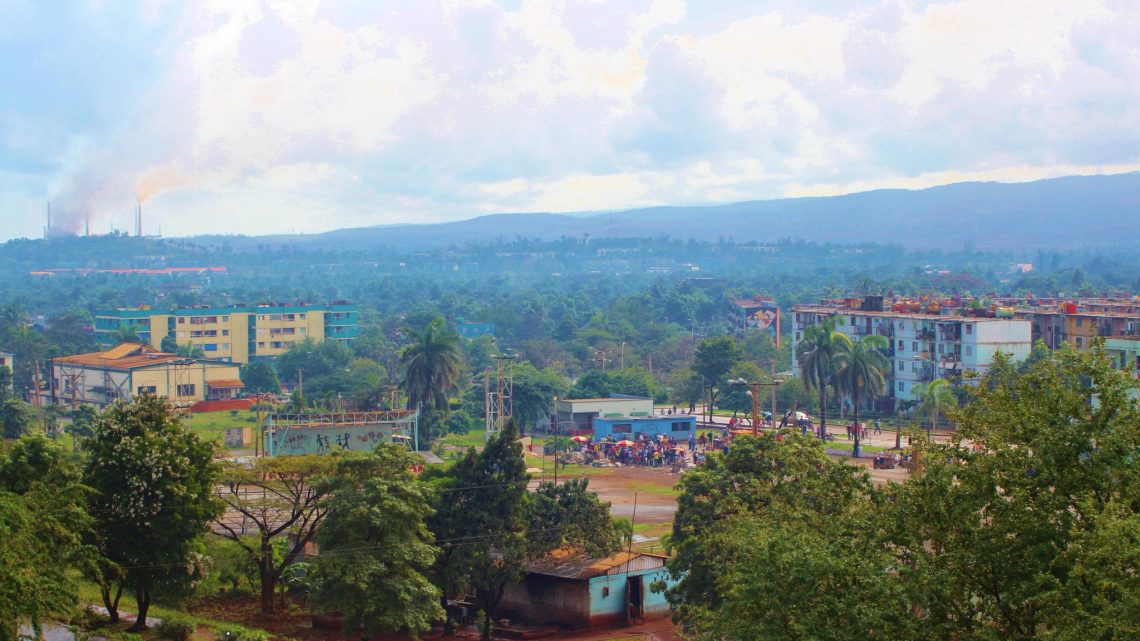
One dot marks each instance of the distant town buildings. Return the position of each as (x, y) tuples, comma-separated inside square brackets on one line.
[(474, 329), (232, 334), (128, 370), (926, 341)]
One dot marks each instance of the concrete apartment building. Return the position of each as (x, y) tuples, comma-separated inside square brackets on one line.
[(128, 370), (232, 334), (923, 346)]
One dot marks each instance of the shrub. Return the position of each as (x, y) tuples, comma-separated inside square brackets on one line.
[(242, 634), (175, 628)]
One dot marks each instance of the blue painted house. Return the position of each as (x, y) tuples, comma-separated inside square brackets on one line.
[(678, 426), (577, 592)]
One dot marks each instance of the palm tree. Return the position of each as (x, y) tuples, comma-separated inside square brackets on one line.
[(934, 397), (816, 355), (861, 373), (126, 334), (429, 367)]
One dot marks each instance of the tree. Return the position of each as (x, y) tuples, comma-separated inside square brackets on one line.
[(280, 499), (534, 392), (260, 377), (153, 481), (126, 334), (42, 524), (16, 418), (934, 398), (429, 368), (862, 373), (6, 383), (481, 521), (816, 356), (169, 344), (714, 358), (1023, 525), (376, 547), (570, 516), (790, 500)]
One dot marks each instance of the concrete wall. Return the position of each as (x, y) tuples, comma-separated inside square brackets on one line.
[(547, 600)]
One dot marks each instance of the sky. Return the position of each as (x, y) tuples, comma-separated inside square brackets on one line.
[(300, 116)]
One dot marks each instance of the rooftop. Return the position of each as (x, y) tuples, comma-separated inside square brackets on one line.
[(571, 564), (945, 318), (124, 356)]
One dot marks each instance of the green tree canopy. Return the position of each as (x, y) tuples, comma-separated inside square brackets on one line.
[(154, 483), (429, 370), (713, 360), (376, 547)]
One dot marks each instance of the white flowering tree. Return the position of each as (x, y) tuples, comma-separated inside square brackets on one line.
[(153, 483)]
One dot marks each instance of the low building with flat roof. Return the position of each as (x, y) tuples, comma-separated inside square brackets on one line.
[(579, 413), (678, 426)]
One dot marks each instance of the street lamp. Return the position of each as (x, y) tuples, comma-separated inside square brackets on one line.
[(602, 354), (754, 394)]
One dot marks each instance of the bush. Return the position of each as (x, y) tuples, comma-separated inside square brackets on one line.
[(175, 628), (242, 634)]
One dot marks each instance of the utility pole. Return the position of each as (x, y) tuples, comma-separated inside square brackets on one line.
[(623, 356), (300, 382)]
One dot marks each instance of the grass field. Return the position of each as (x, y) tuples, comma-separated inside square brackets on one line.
[(211, 426)]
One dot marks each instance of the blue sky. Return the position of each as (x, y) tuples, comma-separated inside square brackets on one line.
[(302, 116)]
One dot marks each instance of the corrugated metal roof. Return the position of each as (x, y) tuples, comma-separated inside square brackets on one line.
[(569, 564), (124, 356), (225, 384)]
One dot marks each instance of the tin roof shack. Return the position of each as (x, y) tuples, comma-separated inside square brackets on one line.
[(575, 592), (678, 426)]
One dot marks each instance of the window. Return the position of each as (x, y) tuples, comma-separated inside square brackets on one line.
[(210, 347), (680, 426), (225, 319), (969, 329), (225, 346), (304, 330), (261, 344), (902, 346), (623, 428), (225, 332), (1080, 341), (914, 346), (798, 336), (605, 591), (302, 317), (186, 390), (902, 366), (146, 389), (902, 386), (853, 321), (969, 351)]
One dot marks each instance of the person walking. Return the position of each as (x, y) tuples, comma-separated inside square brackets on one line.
[(878, 427)]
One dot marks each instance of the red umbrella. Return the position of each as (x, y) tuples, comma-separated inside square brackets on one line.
[(580, 439), (626, 443)]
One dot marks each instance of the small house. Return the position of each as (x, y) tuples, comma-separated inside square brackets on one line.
[(572, 591), (579, 414), (678, 426)]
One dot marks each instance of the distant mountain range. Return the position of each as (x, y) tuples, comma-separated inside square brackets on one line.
[(1062, 213)]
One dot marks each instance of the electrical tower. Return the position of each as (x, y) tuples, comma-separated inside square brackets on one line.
[(498, 405)]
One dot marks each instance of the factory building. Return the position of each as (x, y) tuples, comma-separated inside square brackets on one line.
[(128, 370), (231, 334)]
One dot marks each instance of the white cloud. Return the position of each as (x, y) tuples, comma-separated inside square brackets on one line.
[(327, 115)]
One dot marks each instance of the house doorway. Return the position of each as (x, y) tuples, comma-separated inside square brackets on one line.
[(635, 597)]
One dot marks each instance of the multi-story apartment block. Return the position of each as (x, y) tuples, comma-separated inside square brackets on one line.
[(922, 346), (233, 334), (1078, 322), (754, 313)]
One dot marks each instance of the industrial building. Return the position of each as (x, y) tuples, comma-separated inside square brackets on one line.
[(925, 342), (232, 334), (577, 592), (129, 369)]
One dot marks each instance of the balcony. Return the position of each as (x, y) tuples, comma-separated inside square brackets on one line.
[(926, 334)]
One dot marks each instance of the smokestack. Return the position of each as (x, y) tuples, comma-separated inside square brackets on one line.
[(47, 229), (87, 224), (140, 221)]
